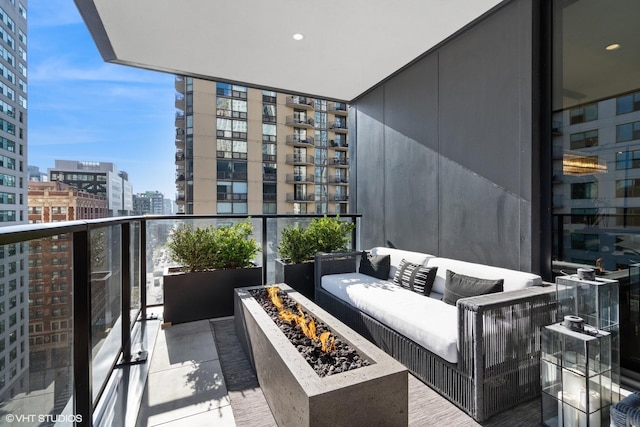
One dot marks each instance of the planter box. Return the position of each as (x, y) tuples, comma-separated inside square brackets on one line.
[(375, 395), (297, 276), (204, 294)]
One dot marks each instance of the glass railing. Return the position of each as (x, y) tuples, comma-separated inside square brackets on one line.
[(71, 295)]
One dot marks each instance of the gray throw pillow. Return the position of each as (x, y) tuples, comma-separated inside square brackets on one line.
[(377, 266), (460, 286), (415, 277)]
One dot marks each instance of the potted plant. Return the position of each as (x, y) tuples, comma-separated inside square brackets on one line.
[(299, 245), (214, 261)]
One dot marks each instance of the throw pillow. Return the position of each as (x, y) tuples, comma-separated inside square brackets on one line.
[(377, 266), (460, 286), (415, 277)]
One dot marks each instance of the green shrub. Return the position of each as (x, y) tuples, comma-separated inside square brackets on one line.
[(208, 248), (322, 235), (296, 245)]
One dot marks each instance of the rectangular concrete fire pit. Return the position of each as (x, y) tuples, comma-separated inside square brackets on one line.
[(375, 395)]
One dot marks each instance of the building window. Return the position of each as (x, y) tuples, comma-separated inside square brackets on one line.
[(628, 188), (628, 160), (583, 114), (628, 103), (584, 190), (584, 139), (628, 132)]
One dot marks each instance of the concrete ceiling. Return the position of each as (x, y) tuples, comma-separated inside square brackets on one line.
[(348, 46)]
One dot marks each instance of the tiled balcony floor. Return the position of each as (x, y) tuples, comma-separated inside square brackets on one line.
[(186, 386)]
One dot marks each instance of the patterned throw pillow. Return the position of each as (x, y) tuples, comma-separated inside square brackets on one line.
[(415, 277)]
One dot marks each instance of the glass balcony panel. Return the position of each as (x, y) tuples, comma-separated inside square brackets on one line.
[(106, 302)]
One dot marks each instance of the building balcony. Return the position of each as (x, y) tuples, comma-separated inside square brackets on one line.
[(237, 176), (180, 102), (338, 145), (180, 157), (338, 127), (305, 198), (300, 102), (339, 163), (299, 159), (340, 180), (300, 178), (341, 198), (338, 108), (180, 84), (299, 141), (301, 122)]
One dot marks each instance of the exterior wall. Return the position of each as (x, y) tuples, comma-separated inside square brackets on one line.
[(444, 148)]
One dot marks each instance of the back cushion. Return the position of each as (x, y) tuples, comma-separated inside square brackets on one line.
[(397, 255), (513, 279)]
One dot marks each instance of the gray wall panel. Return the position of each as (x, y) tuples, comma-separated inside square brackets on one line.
[(370, 173), (456, 132)]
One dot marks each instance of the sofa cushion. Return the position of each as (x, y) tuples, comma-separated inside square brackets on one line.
[(375, 265), (513, 279), (426, 321), (415, 277), (461, 286), (397, 255)]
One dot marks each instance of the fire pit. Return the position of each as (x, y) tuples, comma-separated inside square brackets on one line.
[(373, 394)]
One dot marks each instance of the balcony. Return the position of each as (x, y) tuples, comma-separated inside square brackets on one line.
[(180, 101), (304, 198), (299, 159), (340, 198), (339, 180), (339, 163), (107, 347), (292, 178), (338, 108), (300, 102), (338, 127), (300, 122), (299, 141), (339, 145)]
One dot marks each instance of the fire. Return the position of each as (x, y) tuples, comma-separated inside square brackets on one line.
[(300, 319)]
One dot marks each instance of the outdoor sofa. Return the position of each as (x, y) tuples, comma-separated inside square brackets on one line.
[(483, 353)]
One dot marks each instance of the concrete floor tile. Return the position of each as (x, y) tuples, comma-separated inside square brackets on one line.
[(219, 417), (183, 350), (183, 391)]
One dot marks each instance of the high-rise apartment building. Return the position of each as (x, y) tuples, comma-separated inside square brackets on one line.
[(150, 202), (100, 178), (14, 301), (244, 150)]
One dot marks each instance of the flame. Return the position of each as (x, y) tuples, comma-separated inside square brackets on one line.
[(300, 319)]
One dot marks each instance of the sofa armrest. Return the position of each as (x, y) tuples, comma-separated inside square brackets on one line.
[(501, 332), (334, 263)]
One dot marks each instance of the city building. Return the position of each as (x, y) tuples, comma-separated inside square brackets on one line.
[(274, 152), (100, 178), (51, 285), (14, 301), (151, 202), (36, 175)]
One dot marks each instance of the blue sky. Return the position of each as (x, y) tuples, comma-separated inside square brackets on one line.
[(81, 108)]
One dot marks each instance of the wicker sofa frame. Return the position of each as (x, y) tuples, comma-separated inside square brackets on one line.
[(498, 343)]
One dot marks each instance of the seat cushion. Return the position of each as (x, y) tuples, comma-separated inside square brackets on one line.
[(426, 321)]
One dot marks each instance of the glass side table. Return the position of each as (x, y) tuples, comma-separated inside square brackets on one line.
[(576, 375)]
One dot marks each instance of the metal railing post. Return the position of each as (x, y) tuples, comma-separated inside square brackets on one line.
[(82, 358), (125, 291), (143, 269), (264, 250)]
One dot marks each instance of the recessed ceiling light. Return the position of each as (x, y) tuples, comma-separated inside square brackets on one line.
[(298, 36), (613, 46)]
